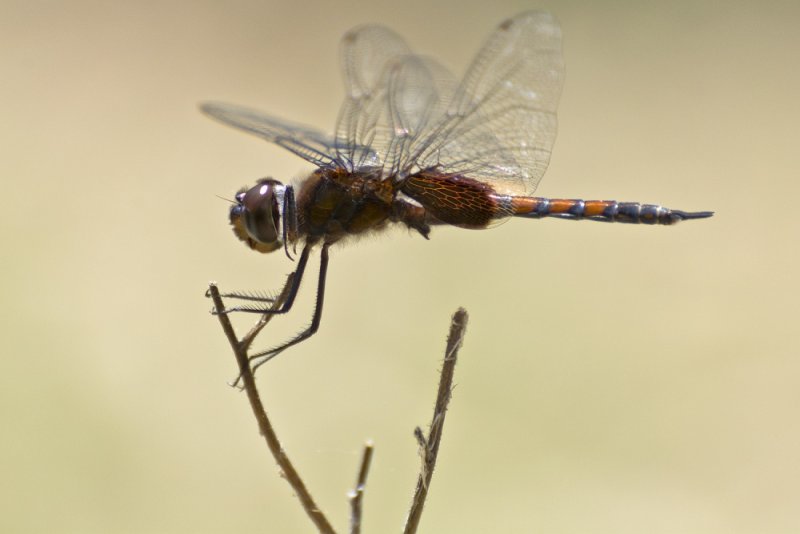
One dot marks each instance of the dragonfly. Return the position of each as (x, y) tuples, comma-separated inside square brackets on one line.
[(415, 147)]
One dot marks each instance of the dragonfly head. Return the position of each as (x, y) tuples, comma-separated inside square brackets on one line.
[(258, 214)]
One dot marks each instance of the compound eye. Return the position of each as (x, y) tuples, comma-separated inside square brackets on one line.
[(256, 217), (261, 213)]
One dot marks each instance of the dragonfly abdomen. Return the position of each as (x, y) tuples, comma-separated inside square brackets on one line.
[(600, 210)]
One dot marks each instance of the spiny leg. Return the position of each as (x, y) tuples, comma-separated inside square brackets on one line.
[(251, 296), (242, 346), (312, 328), (287, 305)]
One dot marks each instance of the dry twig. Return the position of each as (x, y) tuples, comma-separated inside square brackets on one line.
[(264, 424), (429, 446), (357, 495)]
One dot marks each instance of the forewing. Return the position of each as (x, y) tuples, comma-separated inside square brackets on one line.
[(363, 134), (501, 124), (308, 143)]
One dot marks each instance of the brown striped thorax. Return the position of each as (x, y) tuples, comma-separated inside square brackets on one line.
[(415, 147)]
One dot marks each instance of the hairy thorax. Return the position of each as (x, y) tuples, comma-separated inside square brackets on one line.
[(333, 204)]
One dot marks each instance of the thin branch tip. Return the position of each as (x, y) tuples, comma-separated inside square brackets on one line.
[(429, 446), (356, 495)]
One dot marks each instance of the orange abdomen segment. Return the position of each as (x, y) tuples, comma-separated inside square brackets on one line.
[(553, 207)]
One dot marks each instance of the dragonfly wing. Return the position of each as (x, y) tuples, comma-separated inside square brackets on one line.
[(501, 124), (363, 135), (308, 143), (418, 92)]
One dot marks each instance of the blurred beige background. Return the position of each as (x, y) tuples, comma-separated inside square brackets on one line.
[(614, 379)]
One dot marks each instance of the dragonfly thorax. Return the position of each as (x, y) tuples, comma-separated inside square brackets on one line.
[(258, 214)]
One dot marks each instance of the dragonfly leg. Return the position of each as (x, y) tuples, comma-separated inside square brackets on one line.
[(251, 296), (264, 357), (298, 277)]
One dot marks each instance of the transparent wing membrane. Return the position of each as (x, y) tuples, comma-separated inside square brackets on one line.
[(404, 113), (502, 123), (305, 141), (362, 133)]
